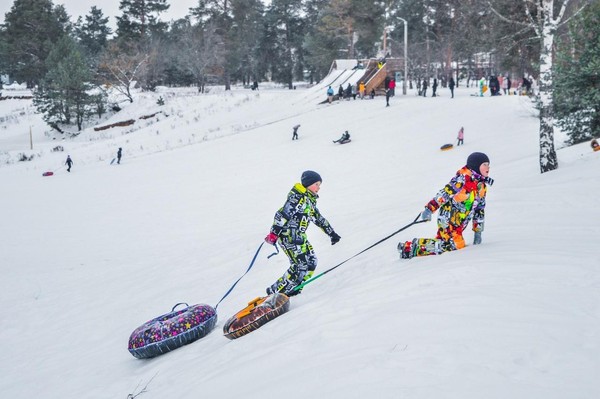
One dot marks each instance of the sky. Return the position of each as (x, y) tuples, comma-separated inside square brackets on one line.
[(90, 255)]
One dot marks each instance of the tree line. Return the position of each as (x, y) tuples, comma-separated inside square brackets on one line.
[(225, 42)]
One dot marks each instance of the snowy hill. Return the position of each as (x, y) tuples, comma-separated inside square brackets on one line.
[(90, 255)]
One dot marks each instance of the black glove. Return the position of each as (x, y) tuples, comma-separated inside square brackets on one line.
[(335, 238)]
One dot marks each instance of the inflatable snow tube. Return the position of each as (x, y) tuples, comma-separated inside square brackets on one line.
[(172, 330), (47, 173), (258, 312), (447, 147)]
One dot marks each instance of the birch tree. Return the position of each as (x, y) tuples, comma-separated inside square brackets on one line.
[(544, 17), (546, 25)]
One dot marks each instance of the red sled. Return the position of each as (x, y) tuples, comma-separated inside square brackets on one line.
[(47, 173)]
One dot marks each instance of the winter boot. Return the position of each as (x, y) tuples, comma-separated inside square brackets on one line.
[(407, 249)]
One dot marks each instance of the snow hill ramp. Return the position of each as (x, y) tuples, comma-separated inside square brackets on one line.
[(341, 73)]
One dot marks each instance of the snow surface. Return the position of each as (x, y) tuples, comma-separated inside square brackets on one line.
[(89, 256)]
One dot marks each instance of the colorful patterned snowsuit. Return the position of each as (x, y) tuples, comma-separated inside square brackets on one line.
[(290, 224), (461, 200)]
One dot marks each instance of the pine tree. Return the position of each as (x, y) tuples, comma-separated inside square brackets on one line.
[(63, 96), (215, 17), (93, 33), (30, 29), (285, 18), (577, 78), (140, 18), (247, 23)]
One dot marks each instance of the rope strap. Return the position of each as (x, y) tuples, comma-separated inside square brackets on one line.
[(416, 221)]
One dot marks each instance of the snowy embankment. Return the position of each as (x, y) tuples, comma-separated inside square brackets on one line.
[(88, 256)]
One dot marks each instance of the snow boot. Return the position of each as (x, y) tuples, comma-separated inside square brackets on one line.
[(407, 249)]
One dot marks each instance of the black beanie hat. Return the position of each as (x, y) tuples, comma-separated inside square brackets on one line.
[(475, 160), (310, 177)]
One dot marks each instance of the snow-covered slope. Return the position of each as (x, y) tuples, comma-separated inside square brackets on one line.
[(90, 255)]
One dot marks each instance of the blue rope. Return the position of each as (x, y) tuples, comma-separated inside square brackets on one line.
[(249, 267)]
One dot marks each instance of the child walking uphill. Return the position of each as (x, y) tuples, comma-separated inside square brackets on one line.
[(289, 228), (461, 200), (460, 139)]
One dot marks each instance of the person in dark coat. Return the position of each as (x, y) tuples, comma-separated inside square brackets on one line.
[(434, 87), (388, 94), (295, 133), (424, 87), (344, 139), (289, 230), (527, 85), (69, 163), (451, 86), (119, 154)]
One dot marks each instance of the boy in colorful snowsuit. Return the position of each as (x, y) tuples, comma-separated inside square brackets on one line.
[(289, 228), (461, 200)]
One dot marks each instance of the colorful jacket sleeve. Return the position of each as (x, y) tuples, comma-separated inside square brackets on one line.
[(320, 221), (455, 185)]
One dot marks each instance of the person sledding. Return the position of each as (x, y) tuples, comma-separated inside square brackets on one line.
[(289, 230), (459, 202), (344, 139)]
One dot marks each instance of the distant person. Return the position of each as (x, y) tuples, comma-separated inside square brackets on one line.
[(69, 163), (481, 84), (255, 85), (340, 92), (527, 86), (451, 86), (434, 87), (348, 92), (295, 132), (505, 87), (361, 89), (330, 94), (289, 229), (595, 145), (392, 87), (459, 202), (372, 94), (119, 154), (388, 94), (344, 139), (461, 136), (424, 87)]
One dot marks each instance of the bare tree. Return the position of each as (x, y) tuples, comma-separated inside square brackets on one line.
[(201, 50), (120, 69)]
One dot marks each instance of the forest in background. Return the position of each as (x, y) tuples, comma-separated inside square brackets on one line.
[(71, 63)]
